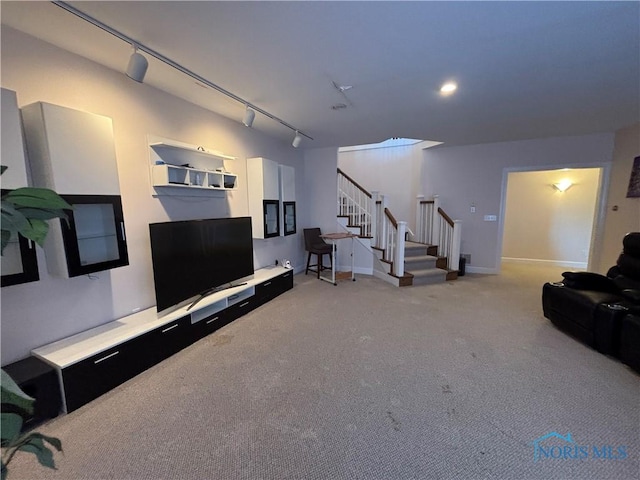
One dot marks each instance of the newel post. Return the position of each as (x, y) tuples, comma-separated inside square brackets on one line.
[(383, 222), (454, 263), (398, 260), (375, 218), (435, 226), (420, 219)]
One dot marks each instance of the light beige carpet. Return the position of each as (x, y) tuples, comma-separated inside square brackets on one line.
[(366, 381)]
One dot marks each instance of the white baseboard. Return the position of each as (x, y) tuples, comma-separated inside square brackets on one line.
[(536, 261), (484, 270)]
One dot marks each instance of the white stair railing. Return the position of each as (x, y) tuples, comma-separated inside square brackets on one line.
[(394, 242), (435, 227), (377, 227), (424, 220), (355, 203)]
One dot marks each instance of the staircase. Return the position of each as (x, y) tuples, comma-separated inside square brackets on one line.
[(397, 260), (423, 263)]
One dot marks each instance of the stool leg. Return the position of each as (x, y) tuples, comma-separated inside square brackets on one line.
[(319, 264), (308, 262)]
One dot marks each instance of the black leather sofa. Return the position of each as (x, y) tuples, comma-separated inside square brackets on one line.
[(602, 311)]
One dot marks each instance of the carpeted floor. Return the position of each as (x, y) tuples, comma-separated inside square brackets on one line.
[(366, 381)]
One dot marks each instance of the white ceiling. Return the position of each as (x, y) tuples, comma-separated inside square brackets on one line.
[(524, 69)]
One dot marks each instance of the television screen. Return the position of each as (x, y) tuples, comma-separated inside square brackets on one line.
[(193, 257)]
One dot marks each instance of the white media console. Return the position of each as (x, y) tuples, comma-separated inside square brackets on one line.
[(93, 362)]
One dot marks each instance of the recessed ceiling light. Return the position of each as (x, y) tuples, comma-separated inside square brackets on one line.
[(448, 88)]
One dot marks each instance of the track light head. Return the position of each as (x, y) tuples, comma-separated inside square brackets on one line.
[(249, 116), (137, 67), (296, 140)]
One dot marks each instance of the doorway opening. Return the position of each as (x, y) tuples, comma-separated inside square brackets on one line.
[(551, 217)]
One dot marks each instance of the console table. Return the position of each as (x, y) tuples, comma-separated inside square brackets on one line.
[(333, 238), (93, 362)]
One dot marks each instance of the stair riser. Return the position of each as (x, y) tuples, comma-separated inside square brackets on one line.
[(429, 280), (421, 265), (414, 252)]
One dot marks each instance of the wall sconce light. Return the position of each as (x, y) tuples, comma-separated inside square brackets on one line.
[(563, 185), (249, 116), (296, 140), (137, 67)]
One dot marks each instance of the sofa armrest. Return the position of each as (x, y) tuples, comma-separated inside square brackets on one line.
[(631, 294), (589, 281)]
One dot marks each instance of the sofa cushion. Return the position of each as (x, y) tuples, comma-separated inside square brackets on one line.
[(590, 281), (631, 244), (629, 266), (569, 308)]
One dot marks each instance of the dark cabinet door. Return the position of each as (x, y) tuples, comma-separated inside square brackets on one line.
[(270, 289), (241, 308), (90, 378), (164, 341), (271, 218), (210, 324), (19, 261), (286, 281), (94, 237), (289, 211)]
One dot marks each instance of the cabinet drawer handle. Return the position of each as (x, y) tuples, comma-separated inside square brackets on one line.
[(243, 304), (233, 297), (266, 284), (105, 357), (170, 328), (124, 239), (212, 320)]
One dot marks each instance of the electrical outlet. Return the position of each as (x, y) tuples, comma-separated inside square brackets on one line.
[(490, 218), (473, 208)]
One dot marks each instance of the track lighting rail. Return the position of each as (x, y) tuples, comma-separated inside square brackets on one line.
[(88, 18)]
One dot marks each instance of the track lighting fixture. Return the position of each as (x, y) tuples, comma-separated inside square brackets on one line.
[(296, 140), (249, 116), (137, 67)]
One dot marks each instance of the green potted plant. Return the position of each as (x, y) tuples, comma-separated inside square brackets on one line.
[(25, 212), (16, 407)]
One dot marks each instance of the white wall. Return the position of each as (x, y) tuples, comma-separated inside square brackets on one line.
[(320, 189), (392, 171), (38, 313), (545, 225), (475, 174)]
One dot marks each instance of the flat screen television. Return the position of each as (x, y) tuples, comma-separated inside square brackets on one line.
[(194, 258)]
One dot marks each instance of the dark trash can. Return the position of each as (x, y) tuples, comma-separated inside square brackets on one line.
[(462, 266)]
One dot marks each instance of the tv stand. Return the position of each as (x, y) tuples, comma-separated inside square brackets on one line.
[(93, 362), (213, 290)]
